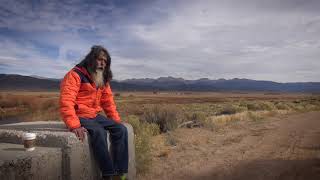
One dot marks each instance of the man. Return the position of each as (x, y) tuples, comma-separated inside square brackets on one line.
[(85, 91)]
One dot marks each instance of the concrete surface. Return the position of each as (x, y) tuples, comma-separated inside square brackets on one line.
[(16, 163), (77, 161)]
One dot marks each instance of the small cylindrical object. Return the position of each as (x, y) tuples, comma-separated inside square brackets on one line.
[(29, 141)]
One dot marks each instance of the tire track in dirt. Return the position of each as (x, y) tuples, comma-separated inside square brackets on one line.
[(277, 148)]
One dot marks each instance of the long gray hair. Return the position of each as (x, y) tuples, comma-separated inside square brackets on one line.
[(89, 62)]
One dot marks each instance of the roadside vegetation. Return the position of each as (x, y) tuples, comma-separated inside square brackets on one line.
[(29, 106), (152, 114)]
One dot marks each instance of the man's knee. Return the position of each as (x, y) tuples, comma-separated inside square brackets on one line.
[(98, 132), (119, 130), (123, 128)]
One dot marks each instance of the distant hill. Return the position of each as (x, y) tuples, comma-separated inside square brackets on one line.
[(19, 82), (205, 84)]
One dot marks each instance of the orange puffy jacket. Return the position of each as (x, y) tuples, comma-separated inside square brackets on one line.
[(79, 97)]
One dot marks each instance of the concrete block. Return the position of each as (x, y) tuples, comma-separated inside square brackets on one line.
[(78, 162), (42, 163)]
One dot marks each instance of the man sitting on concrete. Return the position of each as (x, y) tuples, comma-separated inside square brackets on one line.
[(85, 91)]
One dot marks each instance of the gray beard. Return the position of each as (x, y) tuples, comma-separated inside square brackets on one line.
[(98, 78)]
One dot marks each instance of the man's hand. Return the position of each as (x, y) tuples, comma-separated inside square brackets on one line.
[(80, 132)]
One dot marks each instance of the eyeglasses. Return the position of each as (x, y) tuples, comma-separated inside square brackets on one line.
[(102, 59)]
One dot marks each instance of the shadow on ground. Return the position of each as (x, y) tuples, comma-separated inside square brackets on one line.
[(267, 170)]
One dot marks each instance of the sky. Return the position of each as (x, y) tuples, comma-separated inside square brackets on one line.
[(276, 40)]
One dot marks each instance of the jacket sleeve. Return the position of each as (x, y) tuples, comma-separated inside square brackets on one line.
[(69, 89), (108, 104)]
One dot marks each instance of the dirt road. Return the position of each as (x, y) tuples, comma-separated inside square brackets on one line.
[(277, 148)]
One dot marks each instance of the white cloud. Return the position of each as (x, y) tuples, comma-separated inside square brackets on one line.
[(271, 40), (26, 59)]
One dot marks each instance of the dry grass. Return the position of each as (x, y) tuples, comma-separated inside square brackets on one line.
[(153, 113), (143, 133), (245, 116), (166, 117), (29, 107)]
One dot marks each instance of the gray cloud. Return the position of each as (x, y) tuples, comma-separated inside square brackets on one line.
[(256, 39)]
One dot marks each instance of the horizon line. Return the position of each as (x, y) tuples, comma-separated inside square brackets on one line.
[(42, 77)]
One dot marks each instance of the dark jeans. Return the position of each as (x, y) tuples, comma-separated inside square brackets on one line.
[(118, 163)]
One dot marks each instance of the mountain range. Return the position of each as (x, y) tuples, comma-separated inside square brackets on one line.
[(35, 83)]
